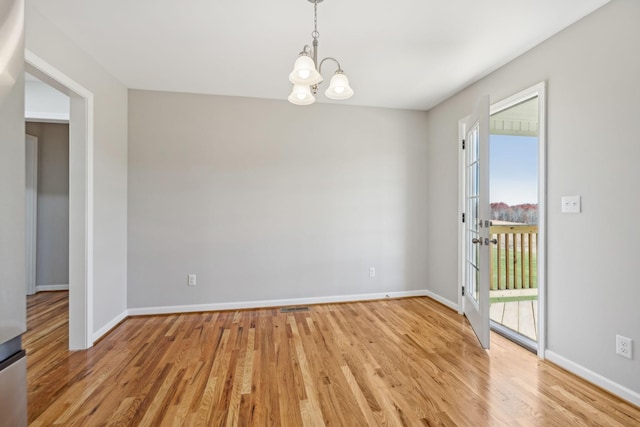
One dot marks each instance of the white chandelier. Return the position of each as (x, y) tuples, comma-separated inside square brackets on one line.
[(306, 77)]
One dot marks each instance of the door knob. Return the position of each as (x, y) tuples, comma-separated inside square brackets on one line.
[(494, 241), (475, 240)]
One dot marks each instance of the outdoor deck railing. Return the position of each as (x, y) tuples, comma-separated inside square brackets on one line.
[(514, 257)]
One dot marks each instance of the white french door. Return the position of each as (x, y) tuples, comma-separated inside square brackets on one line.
[(476, 214)]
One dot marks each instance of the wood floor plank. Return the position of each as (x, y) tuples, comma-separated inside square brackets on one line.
[(405, 362)]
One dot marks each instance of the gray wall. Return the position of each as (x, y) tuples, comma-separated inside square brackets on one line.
[(265, 200), (109, 158), (52, 250), (592, 69)]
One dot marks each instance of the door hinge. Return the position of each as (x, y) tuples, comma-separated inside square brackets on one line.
[(463, 144), (463, 291), (463, 217)]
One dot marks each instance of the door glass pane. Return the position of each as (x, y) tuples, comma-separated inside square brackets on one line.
[(472, 207), (476, 179)]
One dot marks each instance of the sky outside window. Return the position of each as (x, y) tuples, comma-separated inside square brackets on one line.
[(513, 169)]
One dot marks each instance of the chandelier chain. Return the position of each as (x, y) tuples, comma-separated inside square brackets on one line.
[(315, 34)]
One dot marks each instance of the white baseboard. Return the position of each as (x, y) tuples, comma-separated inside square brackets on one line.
[(47, 288), (110, 325), (452, 305), (143, 311), (595, 378)]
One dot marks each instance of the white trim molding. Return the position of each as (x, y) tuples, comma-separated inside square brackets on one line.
[(43, 117), (109, 326), (31, 187), (48, 288), (239, 305), (593, 377), (448, 303)]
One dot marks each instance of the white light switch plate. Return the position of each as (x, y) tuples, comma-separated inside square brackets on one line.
[(571, 204)]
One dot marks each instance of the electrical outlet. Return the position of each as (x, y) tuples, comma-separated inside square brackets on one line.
[(191, 281), (372, 272), (624, 346)]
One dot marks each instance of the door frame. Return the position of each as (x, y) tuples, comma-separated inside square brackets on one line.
[(31, 154), (81, 198), (538, 90)]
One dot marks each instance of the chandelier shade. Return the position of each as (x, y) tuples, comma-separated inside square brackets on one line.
[(301, 95), (339, 88), (304, 72)]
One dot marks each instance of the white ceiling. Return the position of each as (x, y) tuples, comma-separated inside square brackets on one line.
[(397, 53), (42, 103)]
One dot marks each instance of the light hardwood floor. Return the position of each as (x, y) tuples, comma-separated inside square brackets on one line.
[(410, 362)]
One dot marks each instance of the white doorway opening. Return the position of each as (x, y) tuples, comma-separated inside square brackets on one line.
[(491, 241), (523, 114), (80, 198)]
